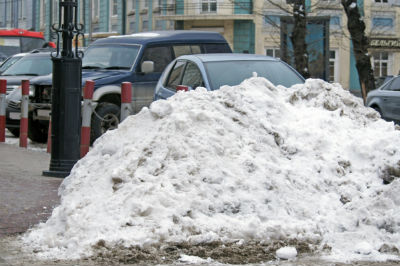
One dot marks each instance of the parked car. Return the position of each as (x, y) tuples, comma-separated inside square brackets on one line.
[(382, 80), (138, 58), (214, 70), (386, 100), (10, 61), (28, 67)]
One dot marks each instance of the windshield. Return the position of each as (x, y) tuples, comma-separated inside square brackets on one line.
[(9, 46), (110, 57), (9, 62), (31, 66), (234, 72), (13, 45)]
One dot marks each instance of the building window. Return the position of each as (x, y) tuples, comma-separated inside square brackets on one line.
[(380, 63), (95, 9), (334, 23), (21, 9), (333, 66), (382, 24), (132, 26), (273, 52), (381, 1), (56, 7), (209, 6), (145, 25), (272, 21), (114, 8)]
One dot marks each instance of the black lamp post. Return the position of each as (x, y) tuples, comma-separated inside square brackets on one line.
[(66, 93)]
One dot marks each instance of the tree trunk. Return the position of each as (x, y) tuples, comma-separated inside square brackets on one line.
[(298, 38), (356, 28)]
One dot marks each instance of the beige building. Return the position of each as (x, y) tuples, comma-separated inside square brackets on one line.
[(254, 26)]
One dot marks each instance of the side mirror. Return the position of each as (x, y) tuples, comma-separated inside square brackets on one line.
[(147, 67)]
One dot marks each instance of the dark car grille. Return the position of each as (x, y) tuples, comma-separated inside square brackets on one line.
[(14, 105), (42, 94)]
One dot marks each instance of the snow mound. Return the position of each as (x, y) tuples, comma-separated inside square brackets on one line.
[(244, 163)]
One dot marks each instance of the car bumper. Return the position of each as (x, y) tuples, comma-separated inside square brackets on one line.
[(13, 116)]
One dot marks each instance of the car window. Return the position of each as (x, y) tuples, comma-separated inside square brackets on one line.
[(234, 72), (36, 66), (174, 78), (186, 49), (192, 76), (216, 48), (395, 85), (110, 57), (160, 55)]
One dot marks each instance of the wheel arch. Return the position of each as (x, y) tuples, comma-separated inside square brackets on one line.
[(110, 94)]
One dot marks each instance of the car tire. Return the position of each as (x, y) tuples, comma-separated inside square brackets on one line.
[(14, 131), (376, 108), (106, 117), (37, 132)]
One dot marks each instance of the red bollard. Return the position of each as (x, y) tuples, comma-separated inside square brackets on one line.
[(3, 91), (23, 126), (86, 117), (182, 88), (126, 99)]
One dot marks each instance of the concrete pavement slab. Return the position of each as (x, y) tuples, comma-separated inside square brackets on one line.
[(26, 197)]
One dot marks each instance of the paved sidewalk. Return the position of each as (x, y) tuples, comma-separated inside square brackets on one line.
[(26, 197)]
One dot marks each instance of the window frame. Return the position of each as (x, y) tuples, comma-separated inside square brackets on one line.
[(274, 50), (168, 46), (380, 61), (166, 83), (208, 3), (187, 64)]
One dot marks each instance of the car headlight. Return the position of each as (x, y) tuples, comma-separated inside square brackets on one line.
[(31, 91), (11, 88)]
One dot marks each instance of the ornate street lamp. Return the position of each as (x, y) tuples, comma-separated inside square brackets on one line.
[(66, 92)]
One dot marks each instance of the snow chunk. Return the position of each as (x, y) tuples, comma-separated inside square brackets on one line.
[(363, 248), (286, 253), (193, 259), (161, 108)]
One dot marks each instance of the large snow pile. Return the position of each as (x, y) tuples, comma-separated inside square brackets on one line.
[(252, 162)]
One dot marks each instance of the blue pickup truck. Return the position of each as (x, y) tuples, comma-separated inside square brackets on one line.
[(138, 58)]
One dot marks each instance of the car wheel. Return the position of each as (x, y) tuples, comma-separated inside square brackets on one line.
[(37, 132), (14, 131), (106, 117), (376, 108)]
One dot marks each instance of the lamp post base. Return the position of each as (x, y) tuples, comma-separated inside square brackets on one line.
[(60, 174)]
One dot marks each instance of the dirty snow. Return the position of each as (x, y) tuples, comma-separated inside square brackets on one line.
[(252, 162)]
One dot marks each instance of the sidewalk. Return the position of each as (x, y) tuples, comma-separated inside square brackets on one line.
[(26, 197)]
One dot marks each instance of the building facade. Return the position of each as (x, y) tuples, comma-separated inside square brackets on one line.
[(251, 26)]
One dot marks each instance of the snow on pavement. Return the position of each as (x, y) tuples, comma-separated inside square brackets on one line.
[(244, 163)]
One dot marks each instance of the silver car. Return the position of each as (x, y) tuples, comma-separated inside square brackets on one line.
[(386, 100), (214, 70)]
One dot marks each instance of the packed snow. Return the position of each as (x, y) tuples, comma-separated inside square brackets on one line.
[(252, 162), (286, 253)]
